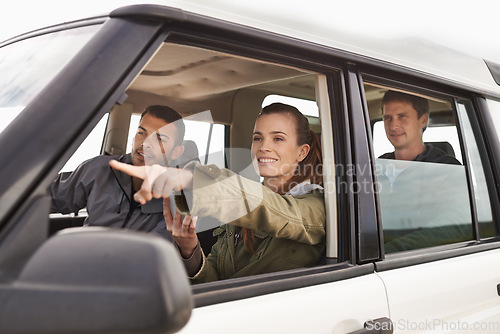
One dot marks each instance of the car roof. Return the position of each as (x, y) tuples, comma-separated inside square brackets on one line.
[(417, 54)]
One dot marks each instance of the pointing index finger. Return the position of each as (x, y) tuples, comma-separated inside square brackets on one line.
[(134, 171)]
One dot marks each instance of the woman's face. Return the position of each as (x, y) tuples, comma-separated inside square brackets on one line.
[(274, 148)]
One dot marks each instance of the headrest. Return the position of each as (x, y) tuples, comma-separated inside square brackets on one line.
[(190, 153), (443, 146)]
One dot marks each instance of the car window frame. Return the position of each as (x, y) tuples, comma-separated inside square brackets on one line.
[(441, 89), (275, 51), (480, 137), (29, 199), (340, 111)]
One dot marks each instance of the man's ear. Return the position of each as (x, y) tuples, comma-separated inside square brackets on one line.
[(304, 150), (424, 120), (177, 152)]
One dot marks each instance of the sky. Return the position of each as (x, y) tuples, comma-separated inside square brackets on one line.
[(469, 26)]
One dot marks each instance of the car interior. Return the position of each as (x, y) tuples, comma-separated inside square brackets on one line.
[(221, 91)]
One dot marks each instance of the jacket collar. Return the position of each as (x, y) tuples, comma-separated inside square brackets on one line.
[(125, 182)]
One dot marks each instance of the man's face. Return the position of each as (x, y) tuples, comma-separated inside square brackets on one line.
[(402, 126), (154, 142)]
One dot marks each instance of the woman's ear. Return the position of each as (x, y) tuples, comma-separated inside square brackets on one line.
[(304, 151)]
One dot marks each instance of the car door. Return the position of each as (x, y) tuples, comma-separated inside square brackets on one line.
[(342, 292), (340, 305), (441, 266)]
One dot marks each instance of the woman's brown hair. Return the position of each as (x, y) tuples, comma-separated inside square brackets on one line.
[(311, 168)]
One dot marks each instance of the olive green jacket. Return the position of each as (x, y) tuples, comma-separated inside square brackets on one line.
[(289, 231)]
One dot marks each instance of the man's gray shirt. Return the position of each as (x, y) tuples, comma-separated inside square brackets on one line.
[(107, 194)]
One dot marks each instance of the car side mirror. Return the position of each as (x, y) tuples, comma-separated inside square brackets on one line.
[(96, 280)]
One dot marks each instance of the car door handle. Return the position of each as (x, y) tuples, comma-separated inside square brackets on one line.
[(376, 326)]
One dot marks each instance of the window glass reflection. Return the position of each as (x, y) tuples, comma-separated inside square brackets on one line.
[(423, 204), (29, 65)]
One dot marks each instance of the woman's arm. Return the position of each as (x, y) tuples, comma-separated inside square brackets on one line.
[(230, 198), (227, 196)]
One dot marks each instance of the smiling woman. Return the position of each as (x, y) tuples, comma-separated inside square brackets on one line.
[(289, 218), (286, 150)]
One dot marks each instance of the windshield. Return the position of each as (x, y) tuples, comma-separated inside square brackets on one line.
[(29, 65)]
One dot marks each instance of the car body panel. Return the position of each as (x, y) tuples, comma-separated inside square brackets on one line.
[(457, 293), (325, 308)]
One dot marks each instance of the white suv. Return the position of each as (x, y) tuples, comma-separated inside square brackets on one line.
[(423, 260)]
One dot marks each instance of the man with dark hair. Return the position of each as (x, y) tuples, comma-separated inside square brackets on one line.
[(421, 191), (107, 193), (169, 115), (405, 120)]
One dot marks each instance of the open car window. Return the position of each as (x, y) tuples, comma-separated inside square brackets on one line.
[(219, 96)]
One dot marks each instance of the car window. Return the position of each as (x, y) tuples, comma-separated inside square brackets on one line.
[(308, 107), (436, 135), (219, 96), (422, 204), (89, 148), (208, 137), (424, 198), (232, 89), (27, 66)]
